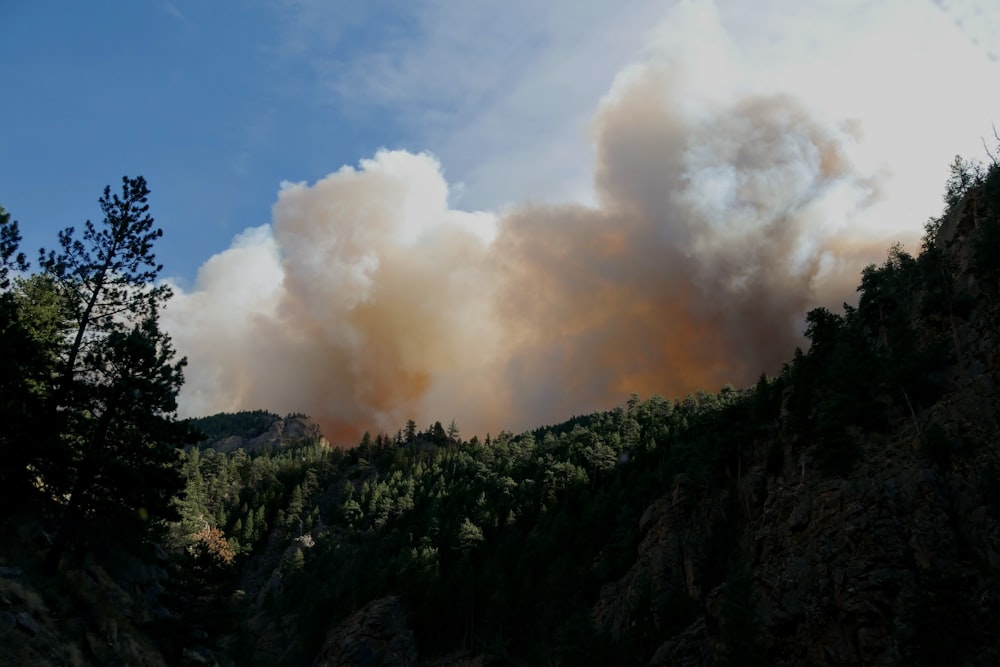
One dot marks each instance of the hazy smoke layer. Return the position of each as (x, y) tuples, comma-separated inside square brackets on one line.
[(719, 222), (695, 269)]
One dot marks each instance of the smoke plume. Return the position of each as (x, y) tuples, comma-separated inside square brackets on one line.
[(719, 221)]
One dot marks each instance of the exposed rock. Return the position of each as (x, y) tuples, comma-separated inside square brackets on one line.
[(670, 559), (199, 655), (282, 432), (377, 635), (845, 571), (692, 648)]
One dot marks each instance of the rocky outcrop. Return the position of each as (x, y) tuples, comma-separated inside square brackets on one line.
[(377, 635), (282, 431), (895, 565), (848, 571)]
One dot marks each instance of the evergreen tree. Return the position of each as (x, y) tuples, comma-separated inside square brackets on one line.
[(10, 255), (108, 276), (453, 433), (29, 316), (113, 445)]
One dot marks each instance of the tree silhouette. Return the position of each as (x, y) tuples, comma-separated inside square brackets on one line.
[(10, 256), (113, 434)]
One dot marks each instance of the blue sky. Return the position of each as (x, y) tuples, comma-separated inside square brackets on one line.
[(218, 103), (552, 153), (215, 103)]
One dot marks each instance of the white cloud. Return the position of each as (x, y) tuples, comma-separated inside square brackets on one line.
[(348, 307), (503, 92), (979, 20)]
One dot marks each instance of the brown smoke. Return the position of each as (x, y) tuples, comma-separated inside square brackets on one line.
[(717, 227), (696, 268)]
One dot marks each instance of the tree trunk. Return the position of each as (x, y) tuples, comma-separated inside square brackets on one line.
[(69, 524)]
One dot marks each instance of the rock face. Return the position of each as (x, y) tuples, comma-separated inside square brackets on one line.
[(897, 563), (282, 431), (900, 564), (670, 561), (378, 635), (856, 571)]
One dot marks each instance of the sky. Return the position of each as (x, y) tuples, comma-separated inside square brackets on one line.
[(498, 213)]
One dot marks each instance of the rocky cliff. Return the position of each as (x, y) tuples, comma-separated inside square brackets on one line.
[(268, 432), (896, 562)]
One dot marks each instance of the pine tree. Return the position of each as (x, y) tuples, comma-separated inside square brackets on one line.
[(29, 312), (453, 433), (113, 454), (109, 275), (10, 256)]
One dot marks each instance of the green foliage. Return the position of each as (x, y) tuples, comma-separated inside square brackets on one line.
[(245, 424), (987, 250), (201, 593), (31, 325), (107, 276), (501, 547), (11, 258), (29, 340), (873, 366), (965, 175)]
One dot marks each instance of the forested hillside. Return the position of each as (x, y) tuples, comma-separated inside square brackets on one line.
[(843, 511)]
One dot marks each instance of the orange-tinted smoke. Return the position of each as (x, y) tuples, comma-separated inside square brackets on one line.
[(697, 266), (717, 226)]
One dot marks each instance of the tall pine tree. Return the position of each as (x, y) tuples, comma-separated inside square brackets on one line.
[(112, 460)]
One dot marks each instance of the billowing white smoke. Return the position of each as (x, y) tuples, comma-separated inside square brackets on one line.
[(365, 296), (721, 218)]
